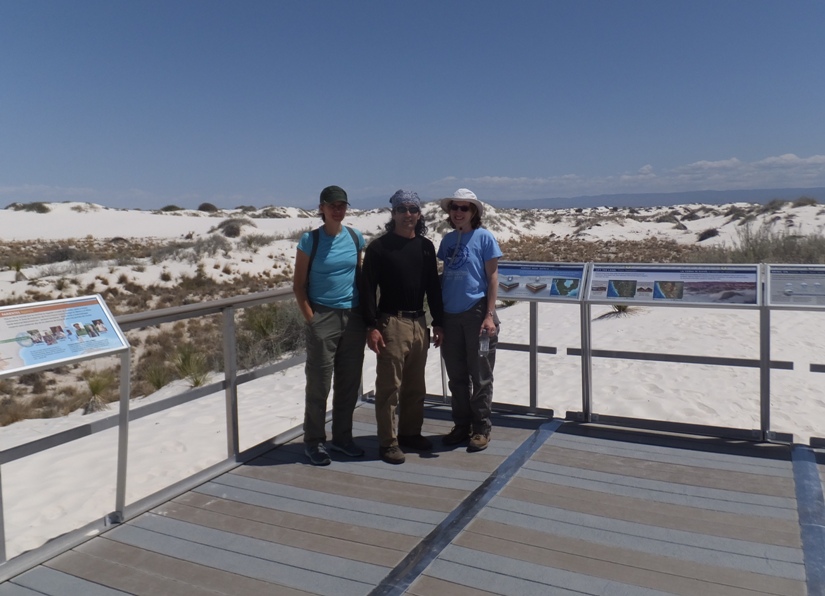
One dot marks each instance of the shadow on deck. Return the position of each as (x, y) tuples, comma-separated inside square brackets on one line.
[(551, 507)]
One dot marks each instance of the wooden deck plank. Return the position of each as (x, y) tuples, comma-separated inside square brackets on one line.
[(318, 543), (343, 531), (313, 498), (678, 517), (505, 575), (647, 570), (664, 452), (683, 494), (256, 567), (667, 472), (351, 485), (328, 512), (737, 554), (123, 577), (11, 589), (427, 585), (181, 570), (51, 582)]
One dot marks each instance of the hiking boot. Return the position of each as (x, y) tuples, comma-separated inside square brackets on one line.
[(317, 455), (478, 442), (417, 442), (392, 454), (350, 448), (458, 435)]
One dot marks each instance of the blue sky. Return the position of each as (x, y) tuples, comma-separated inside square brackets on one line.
[(141, 104)]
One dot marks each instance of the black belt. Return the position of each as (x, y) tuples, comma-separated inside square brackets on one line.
[(406, 314)]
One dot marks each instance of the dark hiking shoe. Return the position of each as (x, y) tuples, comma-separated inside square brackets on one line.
[(317, 455), (458, 435), (350, 449), (417, 442), (392, 454), (478, 442)]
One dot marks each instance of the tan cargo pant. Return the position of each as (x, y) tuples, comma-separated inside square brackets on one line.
[(399, 378)]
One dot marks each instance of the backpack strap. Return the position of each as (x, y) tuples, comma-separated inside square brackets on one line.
[(316, 238)]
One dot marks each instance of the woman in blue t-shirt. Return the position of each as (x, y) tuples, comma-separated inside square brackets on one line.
[(326, 266), (469, 287)]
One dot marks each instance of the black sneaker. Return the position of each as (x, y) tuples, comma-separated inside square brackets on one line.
[(417, 442), (458, 435), (317, 455), (392, 454), (350, 448)]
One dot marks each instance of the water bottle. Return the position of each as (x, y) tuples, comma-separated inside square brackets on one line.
[(484, 343)]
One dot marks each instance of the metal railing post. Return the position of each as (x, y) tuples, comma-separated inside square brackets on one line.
[(230, 367), (765, 371), (2, 523), (122, 438), (587, 363), (534, 354)]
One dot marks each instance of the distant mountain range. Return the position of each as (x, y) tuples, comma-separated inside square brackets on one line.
[(705, 197)]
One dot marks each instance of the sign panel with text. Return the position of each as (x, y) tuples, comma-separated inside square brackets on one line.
[(548, 282), (56, 332), (676, 284), (800, 285)]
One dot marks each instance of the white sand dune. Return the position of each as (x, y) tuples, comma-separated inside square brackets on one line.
[(59, 490)]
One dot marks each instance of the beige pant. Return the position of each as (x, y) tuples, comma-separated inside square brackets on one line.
[(399, 382)]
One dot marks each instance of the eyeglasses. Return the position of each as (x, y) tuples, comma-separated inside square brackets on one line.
[(464, 208), (412, 210)]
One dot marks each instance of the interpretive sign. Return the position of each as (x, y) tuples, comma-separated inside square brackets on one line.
[(681, 284), (43, 334), (802, 285), (522, 280)]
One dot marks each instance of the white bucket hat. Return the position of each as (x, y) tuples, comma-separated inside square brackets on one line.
[(463, 194)]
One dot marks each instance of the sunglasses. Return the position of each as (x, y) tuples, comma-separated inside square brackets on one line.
[(464, 208), (402, 209)]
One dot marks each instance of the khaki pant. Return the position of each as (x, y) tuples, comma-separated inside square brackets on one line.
[(399, 382), (335, 341)]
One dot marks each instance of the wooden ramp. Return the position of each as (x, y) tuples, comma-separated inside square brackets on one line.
[(549, 508)]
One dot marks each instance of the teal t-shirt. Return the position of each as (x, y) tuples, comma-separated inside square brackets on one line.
[(332, 277), (464, 282)]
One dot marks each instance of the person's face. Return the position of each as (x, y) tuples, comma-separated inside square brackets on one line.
[(406, 217), (334, 211), (461, 213)]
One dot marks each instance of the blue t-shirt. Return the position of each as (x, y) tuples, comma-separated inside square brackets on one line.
[(332, 277), (465, 280)]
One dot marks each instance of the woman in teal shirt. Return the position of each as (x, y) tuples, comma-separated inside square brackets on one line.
[(326, 289)]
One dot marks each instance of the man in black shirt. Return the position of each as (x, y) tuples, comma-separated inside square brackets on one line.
[(401, 266)]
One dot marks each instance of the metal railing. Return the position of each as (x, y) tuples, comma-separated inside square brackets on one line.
[(228, 307)]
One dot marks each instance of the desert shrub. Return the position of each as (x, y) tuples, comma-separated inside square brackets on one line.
[(191, 364), (772, 206), (705, 234), (157, 374), (690, 216), (804, 202), (207, 208), (231, 228), (268, 332), (165, 275), (36, 207), (210, 246), (99, 385), (767, 245), (169, 208), (12, 410), (296, 235), (255, 241), (246, 208), (619, 310)]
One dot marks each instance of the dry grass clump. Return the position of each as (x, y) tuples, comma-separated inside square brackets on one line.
[(570, 250)]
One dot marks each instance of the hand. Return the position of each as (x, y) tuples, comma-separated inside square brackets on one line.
[(489, 325), (375, 341), (438, 336)]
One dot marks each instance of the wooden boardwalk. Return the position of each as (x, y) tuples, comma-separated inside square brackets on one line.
[(550, 507)]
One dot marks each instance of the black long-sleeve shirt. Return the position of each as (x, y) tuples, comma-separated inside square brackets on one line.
[(404, 270)]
